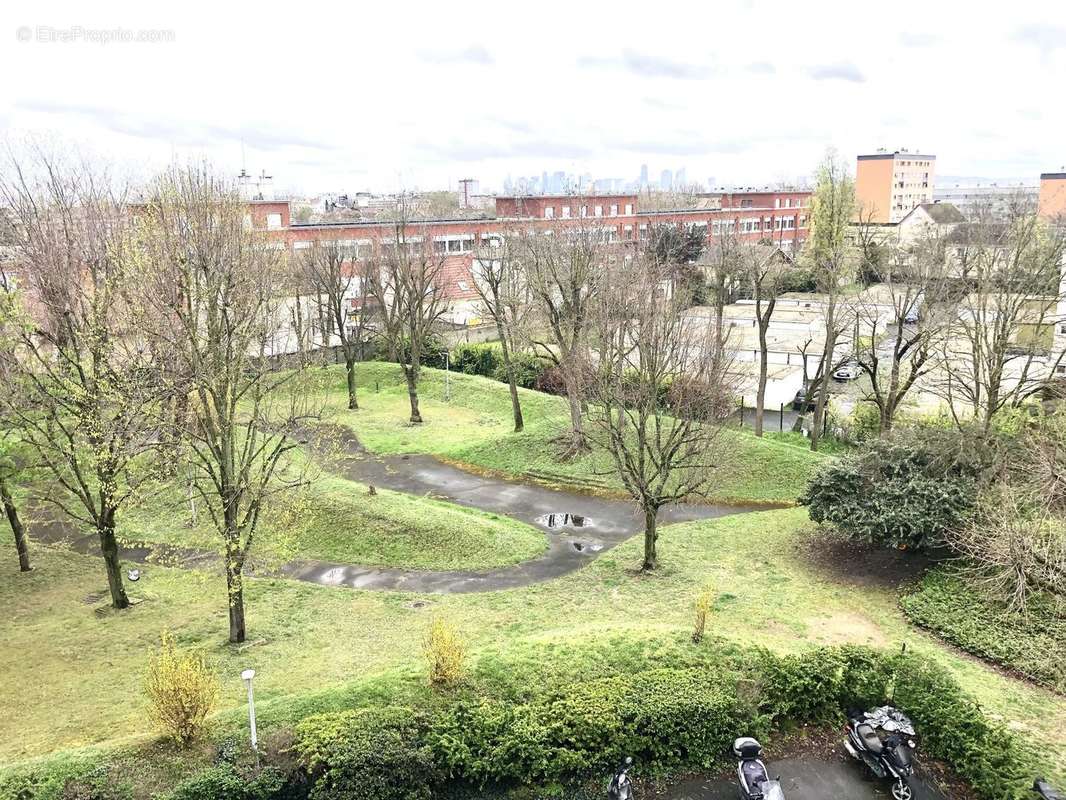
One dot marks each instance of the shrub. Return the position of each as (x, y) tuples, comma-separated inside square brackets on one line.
[(528, 368), (1033, 644), (227, 782), (704, 604), (180, 689), (371, 754), (444, 651), (588, 728), (905, 490), (477, 359)]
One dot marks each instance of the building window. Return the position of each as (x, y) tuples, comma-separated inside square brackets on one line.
[(549, 212), (584, 211), (273, 221), (599, 211), (629, 209), (614, 210), (566, 212), (301, 245)]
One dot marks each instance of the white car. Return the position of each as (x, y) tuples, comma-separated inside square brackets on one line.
[(848, 371)]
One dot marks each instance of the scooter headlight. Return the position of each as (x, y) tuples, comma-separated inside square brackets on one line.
[(910, 744)]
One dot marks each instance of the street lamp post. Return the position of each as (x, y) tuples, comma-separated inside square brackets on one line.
[(247, 676), (447, 379)]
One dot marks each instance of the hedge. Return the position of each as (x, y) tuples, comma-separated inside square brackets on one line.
[(1033, 645), (669, 719), (486, 360)]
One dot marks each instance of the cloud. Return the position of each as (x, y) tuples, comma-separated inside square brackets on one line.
[(760, 68), (917, 39), (1046, 38), (649, 66), (266, 137), (660, 104), (840, 71), (474, 54)]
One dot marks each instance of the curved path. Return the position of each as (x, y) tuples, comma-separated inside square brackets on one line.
[(606, 523)]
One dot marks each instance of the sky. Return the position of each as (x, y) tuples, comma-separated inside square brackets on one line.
[(404, 95)]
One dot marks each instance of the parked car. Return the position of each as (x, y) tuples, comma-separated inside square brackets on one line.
[(801, 396), (848, 371)]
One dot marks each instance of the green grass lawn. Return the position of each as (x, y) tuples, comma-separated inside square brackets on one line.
[(475, 428), (336, 520), (74, 673)]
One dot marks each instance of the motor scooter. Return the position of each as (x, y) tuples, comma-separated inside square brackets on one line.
[(754, 780), (621, 787), (882, 739)]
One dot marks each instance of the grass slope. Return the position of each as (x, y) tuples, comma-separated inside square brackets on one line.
[(336, 520), (475, 427), (316, 647)]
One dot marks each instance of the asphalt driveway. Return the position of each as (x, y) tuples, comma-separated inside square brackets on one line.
[(806, 778)]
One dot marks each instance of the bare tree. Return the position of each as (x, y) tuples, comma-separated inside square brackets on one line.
[(11, 466), (724, 269), (664, 450), (211, 295), (832, 208), (998, 351), (565, 268), (87, 397), (766, 271), (335, 281), (501, 285), (406, 279)]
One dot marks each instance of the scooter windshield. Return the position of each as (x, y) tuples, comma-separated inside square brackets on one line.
[(771, 790)]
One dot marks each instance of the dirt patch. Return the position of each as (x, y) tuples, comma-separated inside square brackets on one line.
[(861, 564), (845, 627)]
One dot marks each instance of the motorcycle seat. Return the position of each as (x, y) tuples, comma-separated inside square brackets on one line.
[(870, 739), (754, 773)]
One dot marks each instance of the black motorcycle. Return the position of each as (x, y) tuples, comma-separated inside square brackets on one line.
[(755, 783), (883, 740), (1045, 790), (621, 787)]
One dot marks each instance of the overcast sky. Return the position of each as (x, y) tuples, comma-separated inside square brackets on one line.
[(384, 93)]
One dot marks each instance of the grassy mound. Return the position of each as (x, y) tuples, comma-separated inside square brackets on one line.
[(475, 427), (336, 520)]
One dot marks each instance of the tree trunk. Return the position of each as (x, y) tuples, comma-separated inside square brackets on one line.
[(577, 431), (823, 383), (105, 528), (760, 392), (651, 557), (412, 394), (16, 527), (235, 589), (349, 368), (516, 405)]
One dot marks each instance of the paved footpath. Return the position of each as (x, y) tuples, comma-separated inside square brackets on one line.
[(601, 523)]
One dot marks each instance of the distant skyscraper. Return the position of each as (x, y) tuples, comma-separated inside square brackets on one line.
[(544, 184), (508, 185), (680, 181), (712, 182), (643, 175), (666, 180)]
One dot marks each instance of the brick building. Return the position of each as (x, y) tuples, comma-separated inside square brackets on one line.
[(780, 216)]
